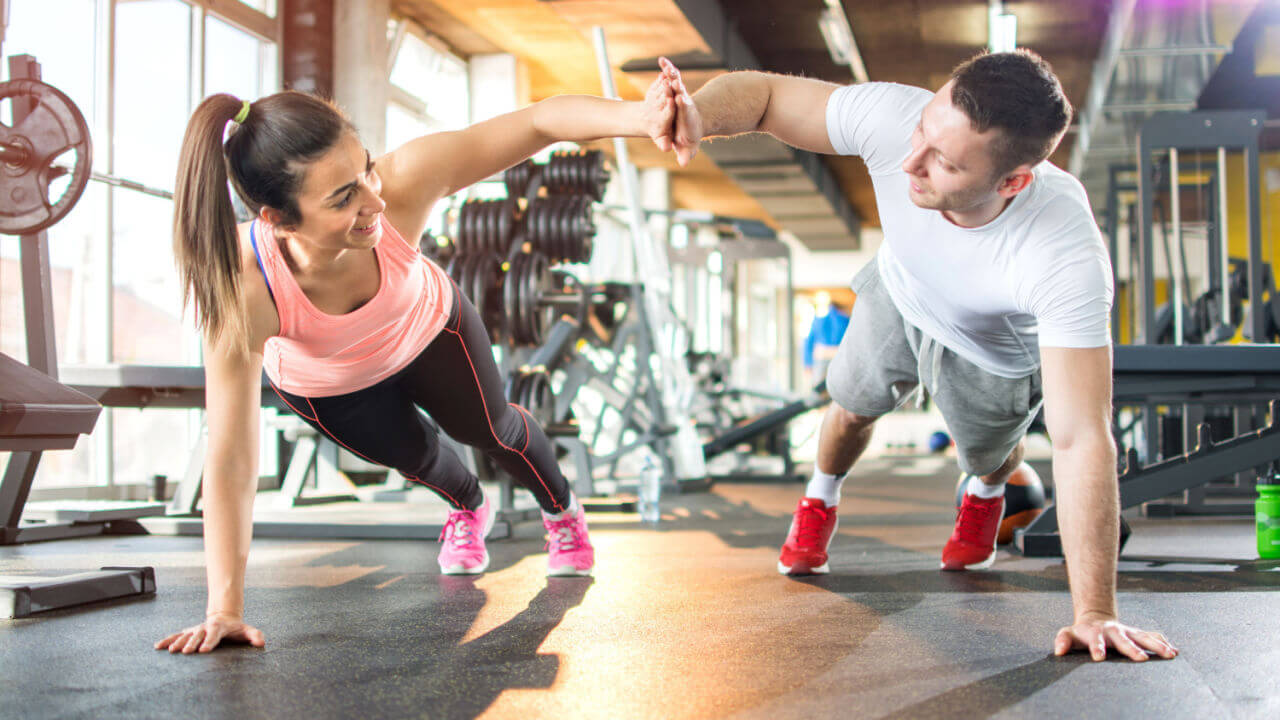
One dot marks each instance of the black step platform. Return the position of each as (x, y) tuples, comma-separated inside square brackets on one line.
[(22, 596)]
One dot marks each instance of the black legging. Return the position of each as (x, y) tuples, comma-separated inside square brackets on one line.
[(456, 381)]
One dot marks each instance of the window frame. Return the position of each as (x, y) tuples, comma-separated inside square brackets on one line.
[(269, 30)]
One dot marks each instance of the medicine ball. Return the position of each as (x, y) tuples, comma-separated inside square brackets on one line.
[(1023, 500), (939, 441)]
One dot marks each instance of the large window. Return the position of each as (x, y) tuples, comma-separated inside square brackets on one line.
[(429, 87), (429, 92), (136, 69)]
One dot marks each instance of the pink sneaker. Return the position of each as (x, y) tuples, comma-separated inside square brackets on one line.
[(570, 549), (463, 551)]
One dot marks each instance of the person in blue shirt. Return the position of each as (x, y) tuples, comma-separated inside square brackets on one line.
[(825, 333)]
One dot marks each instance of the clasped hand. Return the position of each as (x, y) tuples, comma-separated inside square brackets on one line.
[(672, 118)]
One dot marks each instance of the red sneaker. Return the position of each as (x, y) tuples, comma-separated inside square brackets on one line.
[(973, 544), (805, 551)]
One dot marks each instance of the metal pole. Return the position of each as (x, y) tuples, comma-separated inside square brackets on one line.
[(1174, 50), (1113, 230), (1146, 244), (1175, 213), (1253, 225), (1224, 240), (104, 463), (1108, 54), (630, 183), (671, 403)]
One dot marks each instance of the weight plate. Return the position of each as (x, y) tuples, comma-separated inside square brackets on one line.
[(52, 128), (509, 307)]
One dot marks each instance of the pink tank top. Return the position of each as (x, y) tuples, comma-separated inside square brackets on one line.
[(320, 355)]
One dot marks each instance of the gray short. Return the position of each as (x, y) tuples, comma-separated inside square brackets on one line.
[(882, 359)]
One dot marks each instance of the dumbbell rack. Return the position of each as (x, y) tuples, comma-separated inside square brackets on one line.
[(501, 256), (597, 336)]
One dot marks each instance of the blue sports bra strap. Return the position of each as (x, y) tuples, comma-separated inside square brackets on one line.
[(253, 240)]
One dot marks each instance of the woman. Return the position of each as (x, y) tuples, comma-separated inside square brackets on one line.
[(326, 291)]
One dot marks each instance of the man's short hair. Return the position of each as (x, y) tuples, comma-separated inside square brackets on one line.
[(1018, 94)]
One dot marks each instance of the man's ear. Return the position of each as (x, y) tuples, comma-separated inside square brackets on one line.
[(1015, 181)]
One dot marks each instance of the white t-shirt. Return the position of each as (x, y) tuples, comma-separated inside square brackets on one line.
[(1037, 275)]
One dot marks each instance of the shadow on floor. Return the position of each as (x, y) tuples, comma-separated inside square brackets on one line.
[(990, 695), (412, 662)]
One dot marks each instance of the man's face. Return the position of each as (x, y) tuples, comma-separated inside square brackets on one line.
[(950, 167)]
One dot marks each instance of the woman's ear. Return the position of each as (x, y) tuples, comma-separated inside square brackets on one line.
[(273, 217)]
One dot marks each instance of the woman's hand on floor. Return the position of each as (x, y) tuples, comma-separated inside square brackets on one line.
[(206, 636)]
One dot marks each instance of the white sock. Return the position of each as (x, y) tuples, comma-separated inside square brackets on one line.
[(567, 512), (825, 487), (983, 490)]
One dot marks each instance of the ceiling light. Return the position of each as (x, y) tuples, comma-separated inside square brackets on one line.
[(839, 38), (1002, 28)]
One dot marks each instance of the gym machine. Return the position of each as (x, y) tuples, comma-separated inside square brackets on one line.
[(730, 415), (38, 413), (1245, 378)]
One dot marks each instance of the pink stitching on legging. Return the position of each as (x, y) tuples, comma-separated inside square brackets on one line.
[(489, 420), (523, 412), (316, 419), (334, 438), (296, 411), (429, 486)]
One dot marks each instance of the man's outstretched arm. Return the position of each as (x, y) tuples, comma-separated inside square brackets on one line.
[(1077, 393), (792, 109)]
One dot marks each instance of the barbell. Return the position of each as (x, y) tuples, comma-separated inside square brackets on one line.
[(50, 127)]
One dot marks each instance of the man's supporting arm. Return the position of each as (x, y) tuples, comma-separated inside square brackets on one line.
[(1077, 391)]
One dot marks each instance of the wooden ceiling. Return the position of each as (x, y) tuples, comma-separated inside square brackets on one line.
[(909, 41)]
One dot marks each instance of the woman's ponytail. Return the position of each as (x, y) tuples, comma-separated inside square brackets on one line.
[(206, 243)]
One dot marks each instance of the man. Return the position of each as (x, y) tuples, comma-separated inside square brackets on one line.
[(825, 332), (992, 289)]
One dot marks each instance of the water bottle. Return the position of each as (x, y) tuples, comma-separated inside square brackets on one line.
[(650, 491), (1267, 510)]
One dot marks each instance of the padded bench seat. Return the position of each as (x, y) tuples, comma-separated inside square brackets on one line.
[(1168, 374), (40, 413), (141, 386)]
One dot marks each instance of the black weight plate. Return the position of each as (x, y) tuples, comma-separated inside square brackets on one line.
[(481, 283), (467, 228), (527, 308), (491, 274), (506, 226), (521, 281), (464, 275), (492, 221), (472, 266), (515, 280), (542, 226), (510, 307), (537, 282)]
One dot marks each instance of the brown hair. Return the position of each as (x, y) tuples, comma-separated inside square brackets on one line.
[(264, 159), (1018, 94)]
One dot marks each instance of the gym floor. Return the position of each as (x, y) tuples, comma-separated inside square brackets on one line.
[(690, 621)]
